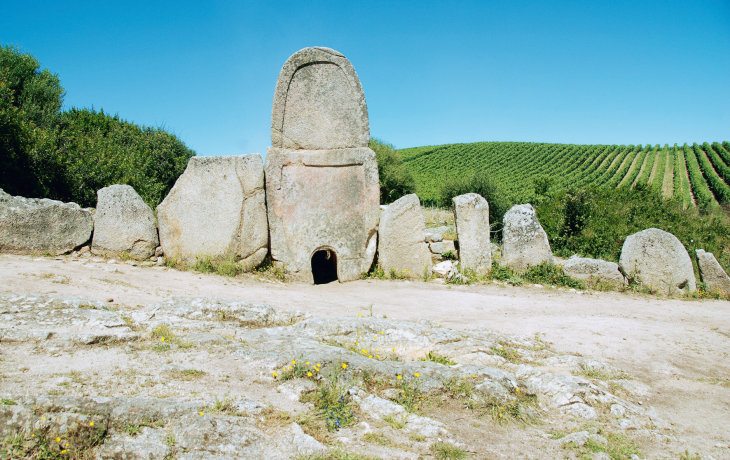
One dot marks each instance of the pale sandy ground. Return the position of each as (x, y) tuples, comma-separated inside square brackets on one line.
[(681, 348)]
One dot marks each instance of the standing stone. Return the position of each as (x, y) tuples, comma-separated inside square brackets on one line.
[(583, 268), (658, 260), (216, 209), (319, 103), (471, 214), (402, 247), (42, 226), (524, 242), (123, 224), (712, 273), (322, 186)]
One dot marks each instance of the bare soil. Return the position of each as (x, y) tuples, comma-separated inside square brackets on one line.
[(680, 348)]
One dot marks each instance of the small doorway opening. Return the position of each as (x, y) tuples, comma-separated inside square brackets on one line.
[(324, 266)]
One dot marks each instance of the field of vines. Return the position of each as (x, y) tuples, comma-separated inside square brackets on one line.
[(695, 175)]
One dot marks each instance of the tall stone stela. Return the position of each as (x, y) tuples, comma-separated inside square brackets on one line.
[(322, 185)]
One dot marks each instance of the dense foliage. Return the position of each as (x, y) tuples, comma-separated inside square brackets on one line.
[(395, 178), (589, 197), (45, 152)]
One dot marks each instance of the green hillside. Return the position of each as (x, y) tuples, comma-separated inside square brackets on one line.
[(589, 197), (696, 175)]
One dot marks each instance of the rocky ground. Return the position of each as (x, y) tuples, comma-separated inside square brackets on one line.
[(111, 360)]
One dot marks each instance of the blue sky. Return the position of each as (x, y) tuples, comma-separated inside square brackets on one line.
[(434, 72)]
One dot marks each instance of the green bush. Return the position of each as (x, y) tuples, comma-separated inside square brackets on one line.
[(96, 150), (616, 214), (484, 186), (395, 179), (70, 155)]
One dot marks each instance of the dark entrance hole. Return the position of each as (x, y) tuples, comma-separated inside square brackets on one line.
[(324, 266)]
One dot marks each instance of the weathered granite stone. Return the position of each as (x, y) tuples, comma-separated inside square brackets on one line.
[(319, 103), (36, 226), (471, 214), (216, 209), (442, 247), (323, 199), (524, 242), (593, 270), (658, 260), (712, 273), (401, 246), (123, 223), (322, 186), (436, 234)]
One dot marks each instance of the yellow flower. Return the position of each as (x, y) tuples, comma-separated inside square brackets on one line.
[(344, 365), (274, 374), (91, 424), (64, 452), (307, 363), (370, 356), (364, 351), (201, 413), (293, 361), (417, 374), (359, 315), (309, 373), (58, 440), (381, 332), (162, 339), (399, 377), (518, 390), (317, 365)]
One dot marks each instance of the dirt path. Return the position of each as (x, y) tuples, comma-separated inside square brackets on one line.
[(680, 347)]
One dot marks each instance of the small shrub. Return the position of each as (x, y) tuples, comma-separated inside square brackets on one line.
[(501, 273), (437, 358), (547, 273), (447, 451), (333, 401), (449, 255), (410, 395)]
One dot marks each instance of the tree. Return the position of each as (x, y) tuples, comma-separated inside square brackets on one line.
[(30, 101)]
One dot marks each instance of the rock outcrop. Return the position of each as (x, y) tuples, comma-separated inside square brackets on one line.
[(216, 209), (402, 247), (657, 260), (524, 242), (714, 277), (42, 226), (471, 214), (593, 270), (123, 224)]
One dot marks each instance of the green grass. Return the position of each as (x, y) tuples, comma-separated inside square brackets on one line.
[(447, 451), (550, 274)]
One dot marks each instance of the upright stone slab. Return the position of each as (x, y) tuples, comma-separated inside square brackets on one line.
[(217, 208), (471, 214), (402, 247), (123, 224), (524, 242), (42, 226), (658, 260), (322, 186), (712, 273)]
